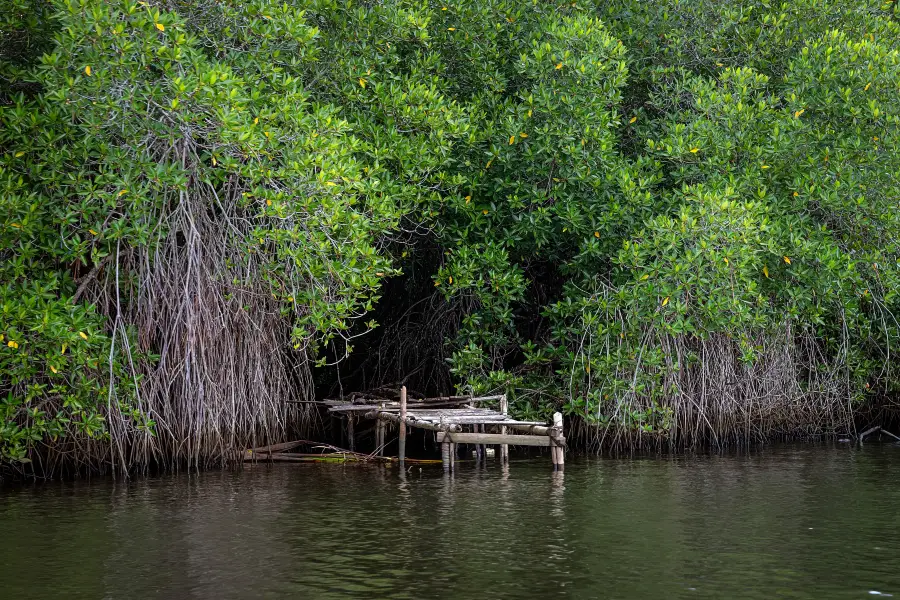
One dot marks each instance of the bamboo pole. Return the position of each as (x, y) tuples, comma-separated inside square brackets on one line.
[(402, 437), (504, 448)]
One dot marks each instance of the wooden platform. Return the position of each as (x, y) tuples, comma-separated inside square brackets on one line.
[(456, 420)]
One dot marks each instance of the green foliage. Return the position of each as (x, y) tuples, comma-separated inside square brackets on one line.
[(613, 188)]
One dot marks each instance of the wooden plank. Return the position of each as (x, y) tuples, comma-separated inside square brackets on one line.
[(493, 438), (413, 422)]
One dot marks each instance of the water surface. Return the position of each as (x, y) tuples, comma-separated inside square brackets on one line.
[(792, 522)]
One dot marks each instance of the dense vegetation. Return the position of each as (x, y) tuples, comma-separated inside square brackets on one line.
[(677, 221)]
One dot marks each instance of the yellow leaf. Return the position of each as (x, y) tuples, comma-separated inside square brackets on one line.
[(83, 335), (451, 29), (92, 232), (87, 70), (523, 135), (633, 119), (645, 277), (52, 368), (559, 66), (268, 203), (123, 192), (160, 26), (596, 234), (587, 369), (529, 112), (437, 283), (726, 260), (214, 161), (256, 121), (875, 139), (866, 89), (376, 274), (799, 112), (362, 83), (2, 337), (266, 133), (695, 150), (765, 167), (719, 65), (444, 8), (450, 279), (512, 140), (64, 346), (485, 211), (16, 225), (12, 344), (665, 301), (787, 259), (765, 270), (18, 154), (330, 183), (468, 198), (488, 165)]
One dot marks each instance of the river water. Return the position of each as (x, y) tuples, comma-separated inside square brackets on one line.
[(790, 522)]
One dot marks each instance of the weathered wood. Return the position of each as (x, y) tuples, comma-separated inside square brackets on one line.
[(504, 448), (350, 435), (557, 449), (533, 429), (379, 437), (275, 448), (414, 422), (402, 435), (452, 456), (445, 455), (493, 438), (479, 448)]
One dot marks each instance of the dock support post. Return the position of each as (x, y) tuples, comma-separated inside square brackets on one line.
[(452, 456), (350, 434), (379, 434), (402, 433), (557, 452), (445, 456), (504, 448)]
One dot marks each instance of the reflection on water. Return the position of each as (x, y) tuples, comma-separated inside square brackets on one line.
[(799, 522)]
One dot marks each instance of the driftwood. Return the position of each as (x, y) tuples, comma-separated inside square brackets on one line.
[(273, 448)]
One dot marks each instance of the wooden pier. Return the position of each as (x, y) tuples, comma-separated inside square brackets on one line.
[(455, 420)]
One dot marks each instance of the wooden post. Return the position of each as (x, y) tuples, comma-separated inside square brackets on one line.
[(445, 456), (504, 448), (379, 434), (350, 435), (452, 456), (402, 433), (557, 452)]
